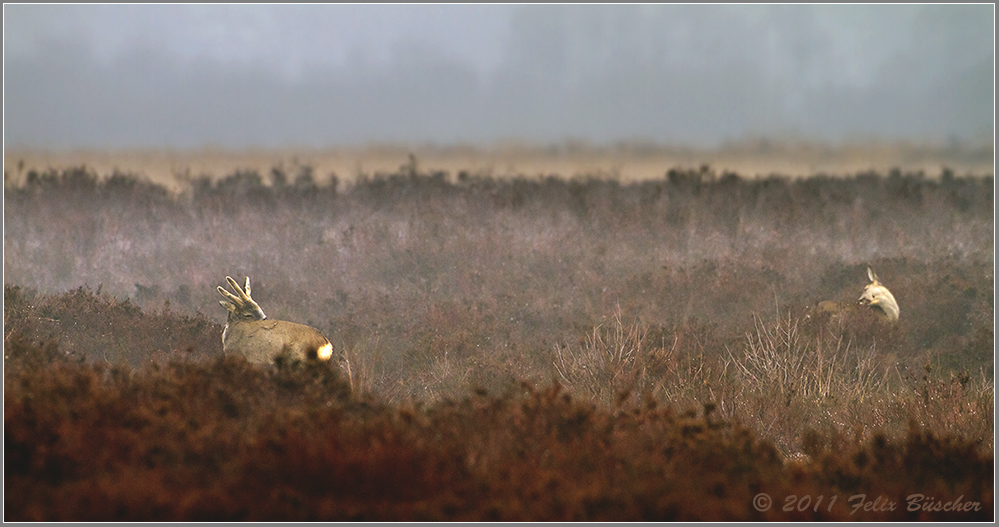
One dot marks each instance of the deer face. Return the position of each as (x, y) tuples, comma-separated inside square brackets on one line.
[(240, 306), (879, 298)]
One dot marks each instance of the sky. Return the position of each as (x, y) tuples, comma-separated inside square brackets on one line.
[(243, 76)]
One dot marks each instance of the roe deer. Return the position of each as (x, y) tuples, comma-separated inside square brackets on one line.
[(248, 332), (875, 296)]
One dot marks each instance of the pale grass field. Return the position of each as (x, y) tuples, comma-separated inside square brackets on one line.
[(625, 163)]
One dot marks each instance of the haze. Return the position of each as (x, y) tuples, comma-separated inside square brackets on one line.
[(242, 76)]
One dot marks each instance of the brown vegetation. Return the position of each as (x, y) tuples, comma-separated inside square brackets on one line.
[(224, 440), (531, 348)]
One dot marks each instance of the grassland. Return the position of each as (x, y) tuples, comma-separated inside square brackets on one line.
[(531, 347)]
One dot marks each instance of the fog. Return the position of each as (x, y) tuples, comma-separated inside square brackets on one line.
[(109, 76)]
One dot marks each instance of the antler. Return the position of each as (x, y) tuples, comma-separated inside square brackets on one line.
[(243, 298)]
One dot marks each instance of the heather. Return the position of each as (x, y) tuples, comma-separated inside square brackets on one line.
[(525, 348)]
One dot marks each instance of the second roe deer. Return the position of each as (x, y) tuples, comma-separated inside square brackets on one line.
[(875, 296)]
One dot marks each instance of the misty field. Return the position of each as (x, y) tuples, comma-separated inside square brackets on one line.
[(516, 348)]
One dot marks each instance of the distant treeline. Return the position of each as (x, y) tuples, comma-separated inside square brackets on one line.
[(964, 192)]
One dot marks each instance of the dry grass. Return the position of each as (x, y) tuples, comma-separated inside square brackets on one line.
[(614, 360), (782, 383)]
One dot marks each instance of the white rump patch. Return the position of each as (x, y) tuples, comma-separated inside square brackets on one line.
[(325, 351)]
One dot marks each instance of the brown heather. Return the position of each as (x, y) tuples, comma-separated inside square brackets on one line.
[(534, 348)]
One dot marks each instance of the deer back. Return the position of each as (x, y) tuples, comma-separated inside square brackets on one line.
[(259, 341)]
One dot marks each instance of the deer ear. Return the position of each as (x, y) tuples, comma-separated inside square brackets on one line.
[(871, 275)]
